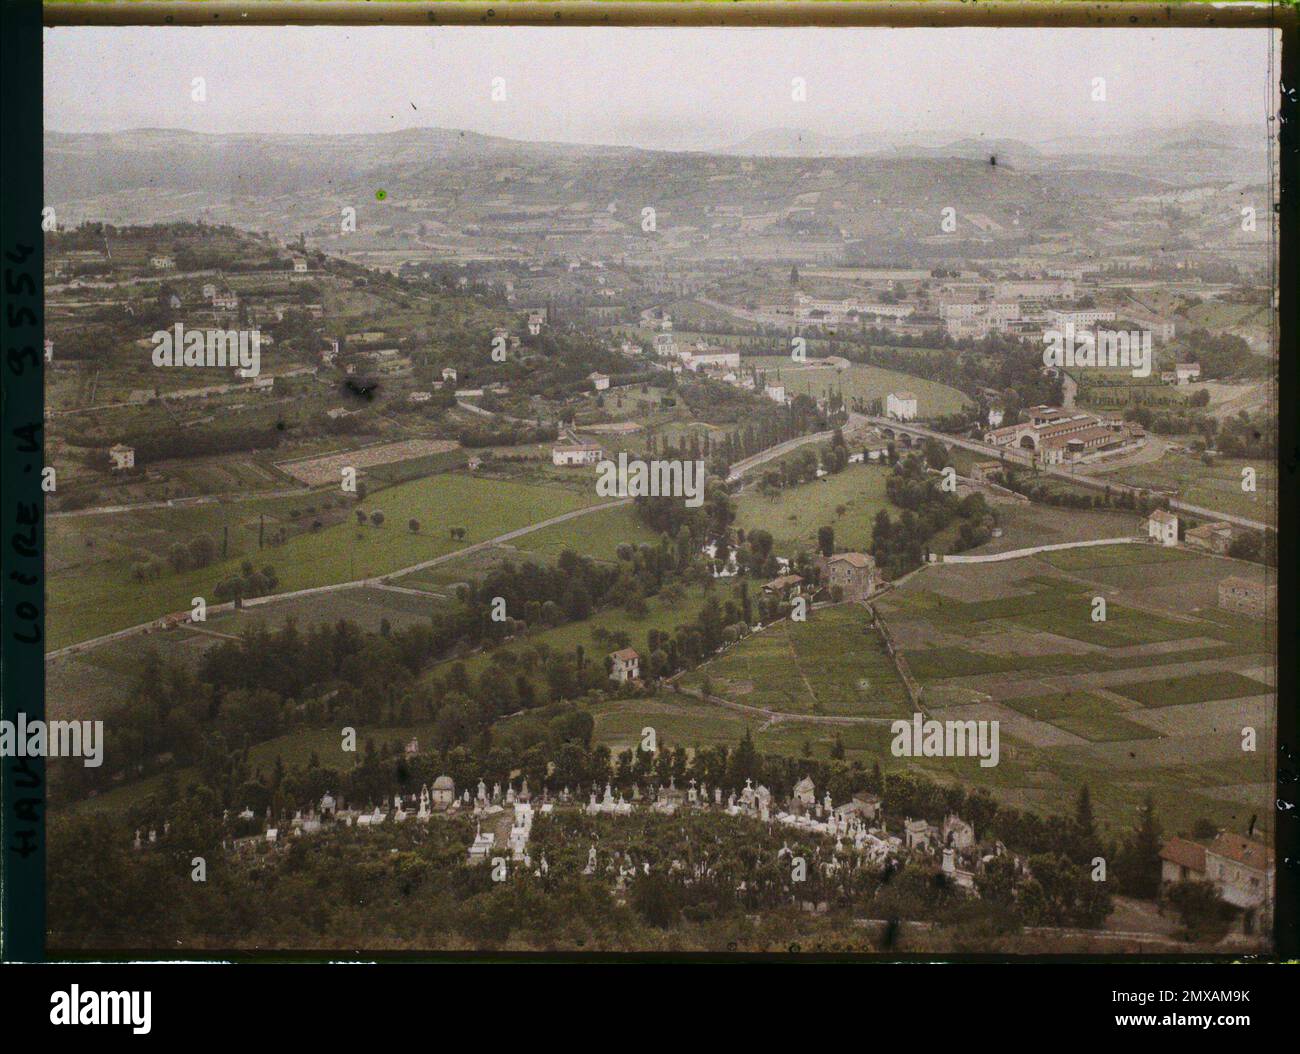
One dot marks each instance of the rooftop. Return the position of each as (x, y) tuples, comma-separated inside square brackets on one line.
[(1190, 855), (1243, 850), (855, 559)]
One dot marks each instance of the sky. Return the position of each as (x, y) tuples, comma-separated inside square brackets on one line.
[(664, 88)]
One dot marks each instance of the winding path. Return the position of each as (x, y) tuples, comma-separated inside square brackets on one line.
[(359, 583)]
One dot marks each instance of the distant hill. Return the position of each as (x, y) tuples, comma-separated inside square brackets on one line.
[(783, 190)]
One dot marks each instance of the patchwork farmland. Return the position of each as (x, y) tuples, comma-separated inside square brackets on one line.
[(834, 664), (1153, 699)]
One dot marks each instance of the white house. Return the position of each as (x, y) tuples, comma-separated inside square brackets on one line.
[(1242, 871), (576, 454), (775, 392), (1082, 319), (448, 374), (703, 360), (1162, 527), (625, 665), (901, 406), (995, 418), (1186, 372), (300, 264), (665, 345), (162, 263), (599, 381), (121, 457)]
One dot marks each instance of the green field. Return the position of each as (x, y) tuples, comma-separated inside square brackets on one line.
[(1213, 486), (369, 608), (1055, 606), (597, 536), (863, 382), (1027, 777), (93, 593), (680, 721), (1112, 556), (1194, 688), (795, 514), (833, 664), (664, 612), (87, 685), (1086, 714)]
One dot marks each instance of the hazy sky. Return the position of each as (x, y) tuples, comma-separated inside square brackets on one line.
[(686, 88)]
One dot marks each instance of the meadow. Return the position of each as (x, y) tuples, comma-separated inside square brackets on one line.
[(1086, 714), (1193, 688), (794, 515), (596, 536), (91, 590), (1217, 485), (664, 612)]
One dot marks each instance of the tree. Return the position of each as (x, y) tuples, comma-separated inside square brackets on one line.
[(997, 882), (414, 525), (202, 550), (576, 602), (1244, 545), (935, 454), (377, 518), (1138, 862), (826, 541), (655, 899), (1084, 843), (1204, 914)]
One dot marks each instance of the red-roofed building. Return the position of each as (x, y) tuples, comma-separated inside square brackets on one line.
[(1242, 871), (854, 573), (1181, 860), (625, 665)]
